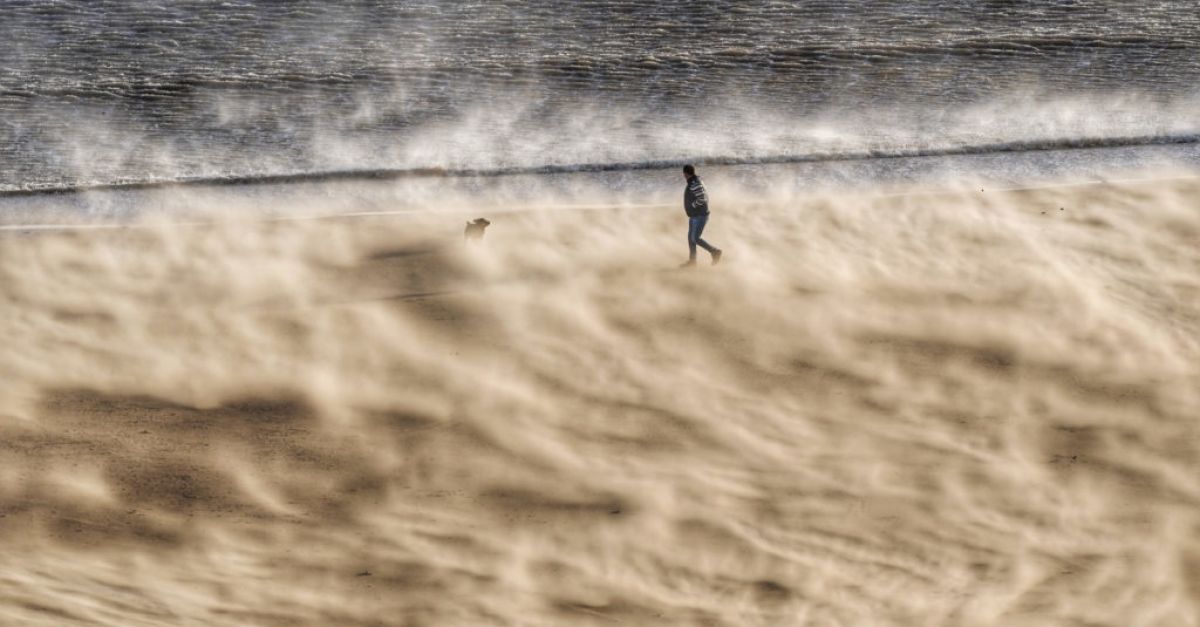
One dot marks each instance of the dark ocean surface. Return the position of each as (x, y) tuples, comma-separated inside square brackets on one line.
[(117, 91)]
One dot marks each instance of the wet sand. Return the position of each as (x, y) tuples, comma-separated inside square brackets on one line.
[(962, 408)]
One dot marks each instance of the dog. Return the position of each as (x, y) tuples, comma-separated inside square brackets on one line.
[(474, 230)]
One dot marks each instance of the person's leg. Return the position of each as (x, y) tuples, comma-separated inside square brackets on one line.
[(694, 229), (700, 222)]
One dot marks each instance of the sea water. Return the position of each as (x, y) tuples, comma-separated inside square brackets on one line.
[(117, 91)]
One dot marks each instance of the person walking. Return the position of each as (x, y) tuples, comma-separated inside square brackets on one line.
[(695, 205)]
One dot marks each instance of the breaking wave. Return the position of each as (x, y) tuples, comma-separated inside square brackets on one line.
[(1057, 144)]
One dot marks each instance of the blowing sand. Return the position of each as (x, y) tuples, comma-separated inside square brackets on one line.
[(959, 409)]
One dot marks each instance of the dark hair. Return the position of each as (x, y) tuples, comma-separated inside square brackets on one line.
[(689, 170)]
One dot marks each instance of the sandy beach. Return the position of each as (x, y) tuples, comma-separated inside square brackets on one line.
[(965, 408)]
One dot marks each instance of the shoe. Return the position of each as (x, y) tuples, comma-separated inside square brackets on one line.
[(687, 264), (716, 257)]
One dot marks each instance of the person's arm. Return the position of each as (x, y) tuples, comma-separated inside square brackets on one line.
[(697, 198)]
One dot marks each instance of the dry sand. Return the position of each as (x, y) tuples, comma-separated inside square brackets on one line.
[(961, 409)]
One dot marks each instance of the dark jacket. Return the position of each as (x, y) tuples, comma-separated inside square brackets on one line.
[(695, 200)]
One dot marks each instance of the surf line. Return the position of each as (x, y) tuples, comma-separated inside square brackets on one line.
[(944, 191), (383, 174)]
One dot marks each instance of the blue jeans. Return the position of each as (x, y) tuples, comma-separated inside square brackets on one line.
[(695, 229)]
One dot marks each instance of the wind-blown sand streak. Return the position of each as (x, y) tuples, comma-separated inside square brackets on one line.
[(954, 409)]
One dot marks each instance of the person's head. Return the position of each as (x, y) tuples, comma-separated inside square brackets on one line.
[(689, 171)]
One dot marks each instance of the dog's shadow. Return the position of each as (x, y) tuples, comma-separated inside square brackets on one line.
[(400, 253), (413, 270)]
